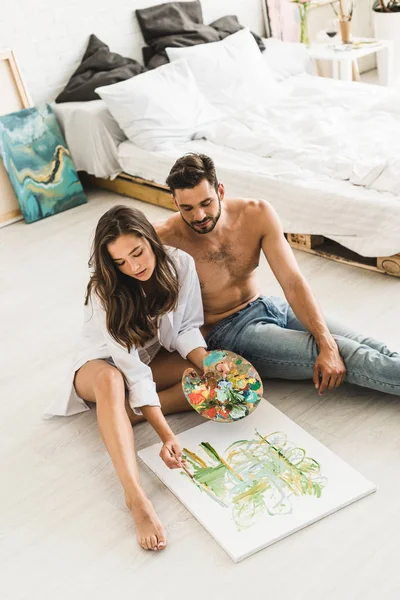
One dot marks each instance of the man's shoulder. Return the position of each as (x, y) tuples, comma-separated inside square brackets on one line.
[(249, 204), (168, 231), (256, 205), (250, 209)]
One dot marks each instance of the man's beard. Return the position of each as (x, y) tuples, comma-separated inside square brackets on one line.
[(214, 221)]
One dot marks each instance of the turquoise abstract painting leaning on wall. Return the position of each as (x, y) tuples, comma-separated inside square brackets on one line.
[(38, 163)]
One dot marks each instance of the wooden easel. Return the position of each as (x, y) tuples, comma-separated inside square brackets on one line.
[(13, 98)]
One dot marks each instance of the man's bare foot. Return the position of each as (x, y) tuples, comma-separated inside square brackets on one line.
[(149, 531)]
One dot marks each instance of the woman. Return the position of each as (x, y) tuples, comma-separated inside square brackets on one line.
[(140, 296)]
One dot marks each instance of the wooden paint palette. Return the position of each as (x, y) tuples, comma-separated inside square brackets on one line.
[(223, 399)]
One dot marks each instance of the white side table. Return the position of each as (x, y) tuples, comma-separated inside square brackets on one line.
[(342, 57)]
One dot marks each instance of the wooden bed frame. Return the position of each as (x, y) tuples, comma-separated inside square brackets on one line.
[(154, 193)]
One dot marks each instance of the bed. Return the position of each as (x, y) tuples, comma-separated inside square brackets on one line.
[(342, 205)]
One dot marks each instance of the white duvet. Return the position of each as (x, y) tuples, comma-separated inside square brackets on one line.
[(347, 131), (310, 146)]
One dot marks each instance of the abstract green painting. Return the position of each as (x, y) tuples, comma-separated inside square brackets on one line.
[(257, 480), (38, 163), (255, 476)]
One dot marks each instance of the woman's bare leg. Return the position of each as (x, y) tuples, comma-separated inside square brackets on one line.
[(167, 368), (99, 382), (103, 384)]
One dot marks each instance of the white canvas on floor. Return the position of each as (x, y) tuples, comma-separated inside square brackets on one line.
[(257, 480)]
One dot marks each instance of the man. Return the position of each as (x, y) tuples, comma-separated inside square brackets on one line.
[(287, 339)]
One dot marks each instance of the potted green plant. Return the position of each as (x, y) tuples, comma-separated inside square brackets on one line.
[(386, 6), (387, 24)]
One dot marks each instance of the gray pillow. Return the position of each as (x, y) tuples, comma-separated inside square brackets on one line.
[(179, 24), (169, 19), (98, 67), (173, 24)]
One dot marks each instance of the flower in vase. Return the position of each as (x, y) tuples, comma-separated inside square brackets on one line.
[(303, 5)]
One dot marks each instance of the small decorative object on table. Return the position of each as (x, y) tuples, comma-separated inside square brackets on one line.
[(344, 13), (224, 399), (303, 5), (332, 28), (38, 163)]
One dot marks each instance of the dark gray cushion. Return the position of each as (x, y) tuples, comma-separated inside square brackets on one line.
[(206, 34), (168, 19), (99, 67), (173, 24), (179, 24)]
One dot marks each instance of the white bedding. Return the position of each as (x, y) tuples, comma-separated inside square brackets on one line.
[(92, 136), (365, 221), (307, 198), (345, 130)]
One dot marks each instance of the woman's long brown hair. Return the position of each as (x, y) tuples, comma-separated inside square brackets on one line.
[(131, 316)]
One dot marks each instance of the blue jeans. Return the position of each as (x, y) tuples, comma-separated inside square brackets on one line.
[(268, 334)]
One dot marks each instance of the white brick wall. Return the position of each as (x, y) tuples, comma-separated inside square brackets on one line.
[(49, 37)]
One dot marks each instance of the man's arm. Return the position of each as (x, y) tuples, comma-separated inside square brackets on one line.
[(300, 297)]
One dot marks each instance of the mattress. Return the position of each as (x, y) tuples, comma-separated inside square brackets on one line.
[(364, 220)]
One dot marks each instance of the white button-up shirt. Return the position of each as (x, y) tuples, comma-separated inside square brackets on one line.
[(178, 330)]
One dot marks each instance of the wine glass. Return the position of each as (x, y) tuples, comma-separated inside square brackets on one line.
[(332, 29)]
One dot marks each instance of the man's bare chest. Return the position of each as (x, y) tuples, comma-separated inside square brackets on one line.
[(223, 264)]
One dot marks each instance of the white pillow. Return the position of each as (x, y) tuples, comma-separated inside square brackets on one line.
[(286, 59), (231, 74), (159, 108)]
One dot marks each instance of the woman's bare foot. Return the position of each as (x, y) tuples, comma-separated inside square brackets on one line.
[(149, 531)]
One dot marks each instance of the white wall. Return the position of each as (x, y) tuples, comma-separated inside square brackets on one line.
[(49, 37)]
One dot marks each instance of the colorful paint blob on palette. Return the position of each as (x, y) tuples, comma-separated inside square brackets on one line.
[(224, 399)]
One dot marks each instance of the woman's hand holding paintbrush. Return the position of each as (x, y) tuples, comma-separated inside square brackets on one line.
[(182, 463), (171, 454)]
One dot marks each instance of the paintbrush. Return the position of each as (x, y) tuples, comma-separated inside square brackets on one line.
[(199, 483), (182, 464)]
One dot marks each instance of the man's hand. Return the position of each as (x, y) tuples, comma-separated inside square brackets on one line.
[(329, 370), (224, 368), (171, 453)]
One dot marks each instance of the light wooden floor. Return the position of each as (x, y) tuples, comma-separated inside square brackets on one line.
[(65, 532)]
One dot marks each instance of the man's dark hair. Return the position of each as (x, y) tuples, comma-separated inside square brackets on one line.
[(190, 170)]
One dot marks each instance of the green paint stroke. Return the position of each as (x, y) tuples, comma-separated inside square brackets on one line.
[(256, 476), (214, 357)]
